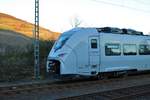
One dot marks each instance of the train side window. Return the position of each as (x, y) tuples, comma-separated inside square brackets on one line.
[(144, 49), (112, 50), (129, 49), (93, 43)]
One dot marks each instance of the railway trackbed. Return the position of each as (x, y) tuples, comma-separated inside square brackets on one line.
[(118, 94), (81, 89), (21, 87)]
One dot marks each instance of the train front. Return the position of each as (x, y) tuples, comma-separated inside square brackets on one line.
[(61, 59)]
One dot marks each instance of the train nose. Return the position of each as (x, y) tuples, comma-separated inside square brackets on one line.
[(53, 67)]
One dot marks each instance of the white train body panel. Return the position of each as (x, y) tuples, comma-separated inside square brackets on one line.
[(84, 52)]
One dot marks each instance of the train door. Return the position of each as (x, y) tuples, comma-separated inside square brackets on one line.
[(94, 54)]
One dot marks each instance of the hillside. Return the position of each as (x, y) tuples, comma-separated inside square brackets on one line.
[(13, 39), (17, 51), (8, 22)]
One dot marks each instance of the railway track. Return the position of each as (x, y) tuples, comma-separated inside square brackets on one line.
[(76, 89), (22, 87), (46, 85), (119, 94)]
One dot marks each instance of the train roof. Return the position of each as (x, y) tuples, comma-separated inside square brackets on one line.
[(119, 31), (108, 30)]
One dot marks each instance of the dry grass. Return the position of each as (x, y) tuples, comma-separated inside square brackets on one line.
[(8, 22)]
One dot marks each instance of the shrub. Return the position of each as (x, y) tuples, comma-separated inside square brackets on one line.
[(17, 63)]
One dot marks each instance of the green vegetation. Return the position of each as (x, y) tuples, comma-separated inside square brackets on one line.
[(19, 65)]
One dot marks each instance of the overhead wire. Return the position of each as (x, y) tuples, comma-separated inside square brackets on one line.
[(122, 5), (142, 2)]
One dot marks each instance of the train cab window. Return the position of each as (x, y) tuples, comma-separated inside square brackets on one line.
[(112, 50), (93, 43), (144, 49), (129, 49)]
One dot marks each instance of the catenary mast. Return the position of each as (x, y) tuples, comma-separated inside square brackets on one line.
[(36, 41)]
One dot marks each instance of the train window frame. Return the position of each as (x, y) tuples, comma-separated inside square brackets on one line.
[(94, 45), (114, 53), (146, 52), (131, 53)]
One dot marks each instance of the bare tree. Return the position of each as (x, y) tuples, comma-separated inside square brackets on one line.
[(75, 21)]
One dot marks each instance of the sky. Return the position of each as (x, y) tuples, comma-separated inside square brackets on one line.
[(57, 15)]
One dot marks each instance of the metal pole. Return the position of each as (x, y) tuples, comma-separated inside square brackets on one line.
[(36, 41)]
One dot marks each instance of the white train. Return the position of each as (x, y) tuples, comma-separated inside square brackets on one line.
[(95, 51)]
